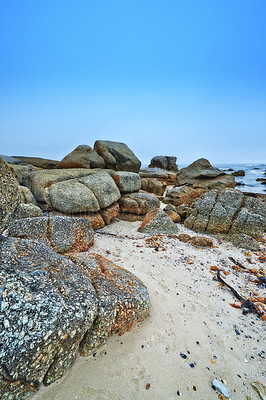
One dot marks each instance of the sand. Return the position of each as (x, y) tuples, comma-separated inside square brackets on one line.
[(190, 314)]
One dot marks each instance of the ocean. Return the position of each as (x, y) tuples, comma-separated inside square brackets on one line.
[(248, 182)]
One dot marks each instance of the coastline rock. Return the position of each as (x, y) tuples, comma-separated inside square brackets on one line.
[(110, 213), (164, 162), (38, 162), (82, 156), (178, 195), (10, 195), (62, 234), (241, 172), (127, 182), (117, 156), (175, 217), (22, 172), (27, 196), (27, 210), (138, 203), (196, 241), (161, 175), (157, 221), (153, 186)]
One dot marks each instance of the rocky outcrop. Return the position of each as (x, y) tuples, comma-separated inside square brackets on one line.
[(167, 177), (22, 172), (52, 308), (117, 156), (157, 221), (164, 162), (153, 186), (228, 212), (10, 195), (182, 195), (241, 172), (82, 156), (138, 203), (38, 162), (170, 210), (27, 210), (62, 234), (127, 182), (27, 196)]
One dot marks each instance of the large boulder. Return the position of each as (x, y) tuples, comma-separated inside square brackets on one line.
[(184, 194), (228, 212), (117, 156), (157, 221), (61, 233), (127, 182), (82, 156), (22, 172), (159, 174), (164, 162), (27, 210), (153, 186), (10, 195), (138, 203), (38, 162)]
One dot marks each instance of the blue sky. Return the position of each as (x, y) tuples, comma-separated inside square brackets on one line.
[(184, 78)]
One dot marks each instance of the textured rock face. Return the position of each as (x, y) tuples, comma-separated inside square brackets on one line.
[(22, 172), (61, 233), (157, 221), (110, 213), (201, 174), (164, 162), (138, 203), (38, 162), (27, 196), (153, 186), (25, 210), (228, 212), (52, 308), (117, 156), (82, 157), (48, 304), (10, 195), (123, 299), (127, 182), (182, 195), (161, 175)]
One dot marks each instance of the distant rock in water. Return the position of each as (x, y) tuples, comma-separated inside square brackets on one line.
[(241, 172), (167, 163)]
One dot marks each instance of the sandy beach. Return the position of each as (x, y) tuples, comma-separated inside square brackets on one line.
[(190, 315)]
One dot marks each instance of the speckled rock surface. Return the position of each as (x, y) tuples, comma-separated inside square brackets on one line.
[(47, 305), (138, 203), (167, 163), (26, 210), (153, 186), (27, 196), (10, 195), (157, 221), (61, 233), (123, 299), (126, 182), (110, 213), (229, 212), (82, 156)]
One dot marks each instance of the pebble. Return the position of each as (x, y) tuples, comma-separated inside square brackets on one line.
[(220, 387)]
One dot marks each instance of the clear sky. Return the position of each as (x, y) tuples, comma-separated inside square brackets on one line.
[(167, 77)]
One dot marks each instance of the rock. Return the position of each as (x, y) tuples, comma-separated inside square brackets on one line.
[(117, 156), (157, 221), (95, 219), (164, 162), (61, 233), (200, 241), (201, 174), (241, 172), (169, 207), (110, 213), (175, 217), (38, 162), (103, 187), (127, 182), (49, 304), (138, 203), (153, 186), (161, 175), (184, 237), (25, 210), (82, 157), (183, 211), (181, 195), (123, 299), (27, 196), (22, 172), (10, 195), (245, 241), (72, 196), (11, 160), (228, 212), (220, 387)]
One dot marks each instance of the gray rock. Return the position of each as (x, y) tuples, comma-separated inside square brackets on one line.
[(38, 162), (22, 172), (127, 182), (72, 196), (103, 187), (167, 163), (26, 210), (117, 156), (169, 207), (10, 195), (153, 186), (157, 221), (82, 156), (138, 203), (10, 160), (60, 233), (199, 216), (27, 196), (250, 224), (165, 176), (245, 241)]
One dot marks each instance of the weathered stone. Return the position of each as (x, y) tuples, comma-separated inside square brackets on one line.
[(153, 186), (10, 195), (167, 163), (61, 233), (184, 237), (110, 213), (22, 172), (245, 241), (103, 187), (117, 156), (161, 175), (199, 217), (250, 224), (169, 207), (200, 241), (175, 217), (26, 210), (123, 299), (241, 172), (138, 203), (38, 162), (127, 182), (72, 196), (131, 217), (181, 195), (183, 211), (82, 156), (27, 196), (48, 305), (157, 221)]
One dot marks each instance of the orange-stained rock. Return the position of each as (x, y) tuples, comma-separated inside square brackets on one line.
[(175, 217), (109, 213), (95, 219), (184, 237), (157, 221), (200, 241), (130, 217)]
